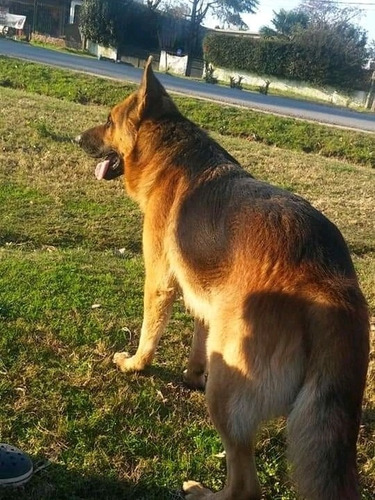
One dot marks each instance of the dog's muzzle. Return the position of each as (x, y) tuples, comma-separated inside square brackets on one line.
[(78, 140), (111, 165)]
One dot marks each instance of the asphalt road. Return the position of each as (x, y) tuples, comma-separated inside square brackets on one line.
[(340, 117)]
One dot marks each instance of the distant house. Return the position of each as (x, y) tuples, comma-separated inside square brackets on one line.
[(233, 32), (47, 17)]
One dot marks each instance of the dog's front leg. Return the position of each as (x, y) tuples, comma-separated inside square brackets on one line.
[(160, 292)]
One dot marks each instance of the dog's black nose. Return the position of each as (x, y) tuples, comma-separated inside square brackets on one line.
[(78, 139)]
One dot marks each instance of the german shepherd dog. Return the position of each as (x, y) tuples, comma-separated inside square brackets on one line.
[(281, 325)]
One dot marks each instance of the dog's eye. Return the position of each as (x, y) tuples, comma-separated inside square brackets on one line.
[(109, 121)]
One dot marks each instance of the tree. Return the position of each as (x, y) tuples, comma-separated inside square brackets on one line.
[(101, 20), (120, 22), (371, 50), (172, 27), (336, 54), (140, 29), (285, 24), (228, 11), (323, 11), (328, 47), (332, 35), (153, 4)]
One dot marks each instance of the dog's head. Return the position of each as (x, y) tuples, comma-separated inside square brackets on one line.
[(114, 140)]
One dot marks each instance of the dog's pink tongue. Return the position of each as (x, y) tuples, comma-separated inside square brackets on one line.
[(101, 169)]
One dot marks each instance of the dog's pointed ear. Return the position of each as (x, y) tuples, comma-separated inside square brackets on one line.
[(151, 91)]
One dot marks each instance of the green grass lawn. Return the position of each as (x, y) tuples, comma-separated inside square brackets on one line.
[(227, 120), (71, 286)]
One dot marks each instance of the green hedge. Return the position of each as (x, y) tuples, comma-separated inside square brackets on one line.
[(261, 56), (284, 59)]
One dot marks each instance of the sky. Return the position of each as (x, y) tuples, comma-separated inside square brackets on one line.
[(264, 14)]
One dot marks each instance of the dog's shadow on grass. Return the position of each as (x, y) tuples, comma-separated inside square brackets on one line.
[(45, 132), (168, 376), (57, 482), (163, 373)]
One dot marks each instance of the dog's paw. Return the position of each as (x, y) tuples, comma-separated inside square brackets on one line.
[(127, 363), (195, 491), (194, 380)]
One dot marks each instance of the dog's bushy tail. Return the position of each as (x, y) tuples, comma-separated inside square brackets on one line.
[(324, 422)]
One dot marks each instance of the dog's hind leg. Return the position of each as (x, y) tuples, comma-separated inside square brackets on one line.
[(195, 374), (324, 422), (236, 421)]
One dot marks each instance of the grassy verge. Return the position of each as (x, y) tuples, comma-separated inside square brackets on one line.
[(68, 243), (54, 46), (234, 122)]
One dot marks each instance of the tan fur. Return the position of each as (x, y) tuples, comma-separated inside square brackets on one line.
[(281, 324)]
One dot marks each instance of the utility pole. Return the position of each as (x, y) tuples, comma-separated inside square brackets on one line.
[(34, 16), (192, 40)]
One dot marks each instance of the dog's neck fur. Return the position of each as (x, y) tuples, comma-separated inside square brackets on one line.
[(191, 156)]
